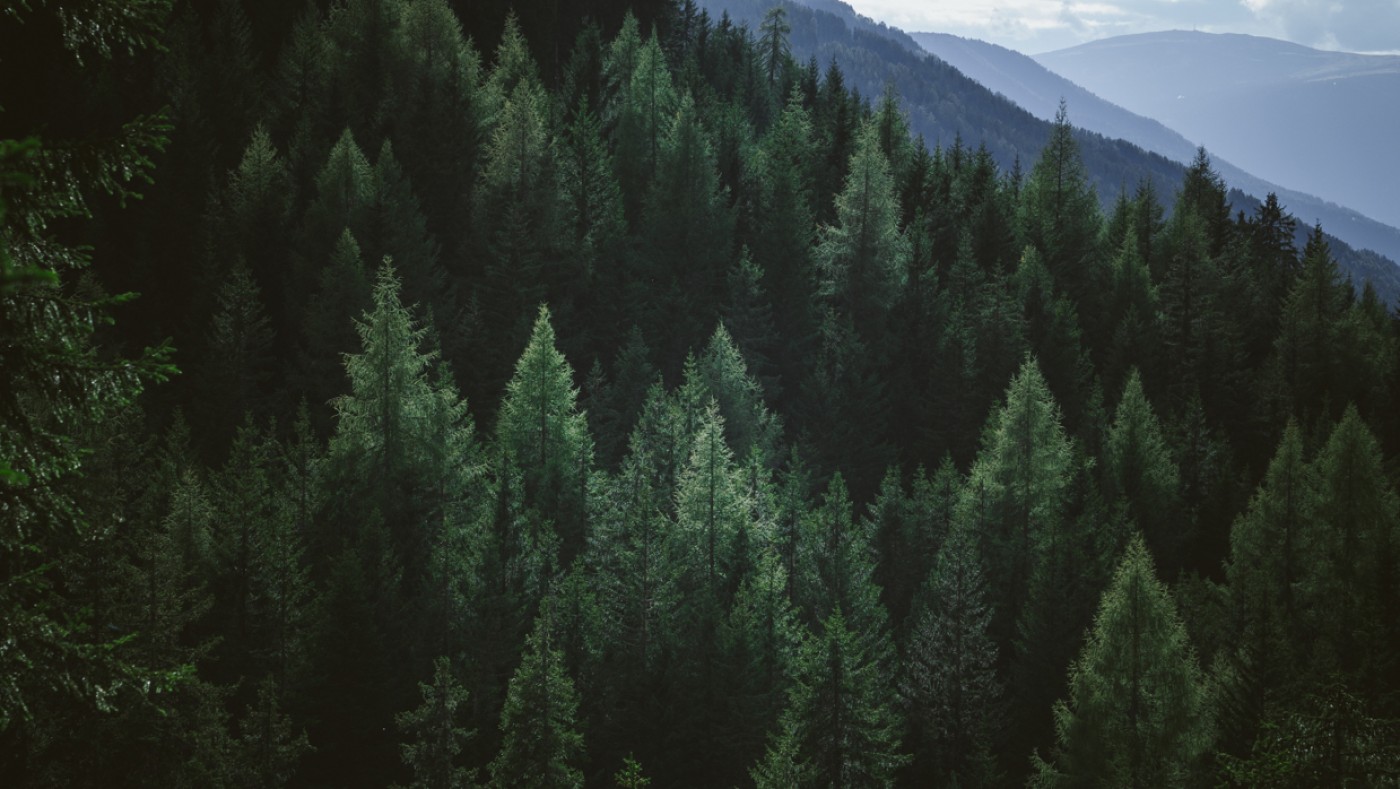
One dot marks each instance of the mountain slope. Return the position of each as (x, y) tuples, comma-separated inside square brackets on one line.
[(944, 105), (1025, 81), (1322, 122)]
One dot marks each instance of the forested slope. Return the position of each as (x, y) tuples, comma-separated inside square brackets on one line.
[(649, 407), (944, 105)]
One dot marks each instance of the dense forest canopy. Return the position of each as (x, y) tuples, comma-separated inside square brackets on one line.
[(595, 394)]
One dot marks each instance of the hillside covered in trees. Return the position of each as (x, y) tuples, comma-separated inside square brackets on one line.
[(594, 394)]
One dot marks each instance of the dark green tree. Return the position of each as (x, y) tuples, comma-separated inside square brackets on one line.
[(434, 735), (1137, 713), (542, 745)]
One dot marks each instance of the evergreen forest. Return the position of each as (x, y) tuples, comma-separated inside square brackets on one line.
[(445, 393)]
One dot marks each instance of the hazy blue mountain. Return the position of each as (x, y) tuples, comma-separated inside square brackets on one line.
[(1039, 90), (1321, 122)]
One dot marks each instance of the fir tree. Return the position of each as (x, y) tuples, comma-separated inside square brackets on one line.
[(1136, 714), (542, 745), (950, 667), (435, 738), (543, 433)]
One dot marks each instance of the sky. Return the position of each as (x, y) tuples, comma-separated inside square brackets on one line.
[(1035, 26)]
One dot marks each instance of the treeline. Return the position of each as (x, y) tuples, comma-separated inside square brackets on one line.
[(655, 409)]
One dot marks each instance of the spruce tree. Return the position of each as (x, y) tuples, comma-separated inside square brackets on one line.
[(434, 736), (950, 668), (861, 259), (1140, 472), (543, 434), (1136, 713), (541, 744), (840, 727)]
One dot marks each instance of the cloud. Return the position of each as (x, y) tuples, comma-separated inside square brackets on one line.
[(1360, 25)]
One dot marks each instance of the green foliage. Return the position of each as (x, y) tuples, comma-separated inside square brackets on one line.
[(435, 739), (1136, 714), (862, 259), (840, 728), (1016, 493), (1140, 472), (950, 667), (542, 744), (544, 434)]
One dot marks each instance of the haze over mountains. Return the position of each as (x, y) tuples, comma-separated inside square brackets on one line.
[(1039, 90), (1320, 122)]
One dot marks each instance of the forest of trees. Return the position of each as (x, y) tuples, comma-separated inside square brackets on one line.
[(590, 393)]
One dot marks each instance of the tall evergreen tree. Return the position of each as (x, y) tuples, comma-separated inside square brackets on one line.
[(544, 434), (840, 728), (542, 745), (1136, 714), (950, 668), (1060, 214), (435, 738), (861, 258), (1140, 472)]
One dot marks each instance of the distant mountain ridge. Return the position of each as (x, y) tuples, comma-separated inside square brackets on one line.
[(1031, 85), (943, 105), (1322, 122)]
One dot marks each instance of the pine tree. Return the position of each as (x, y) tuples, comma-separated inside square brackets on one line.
[(711, 508), (235, 372), (545, 435), (1350, 575), (1015, 496), (387, 445), (270, 747), (434, 736), (1136, 714), (840, 727), (542, 745), (1060, 214), (55, 386), (862, 258), (1140, 472), (950, 667), (774, 52), (1268, 556)]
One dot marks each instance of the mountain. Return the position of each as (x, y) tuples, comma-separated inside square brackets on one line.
[(1322, 122), (945, 105), (1031, 85)]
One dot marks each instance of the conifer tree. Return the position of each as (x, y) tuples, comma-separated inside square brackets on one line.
[(862, 258), (1136, 713), (434, 736), (950, 667), (544, 434), (1140, 472), (1060, 214), (774, 51), (542, 745), (270, 745), (401, 432), (1350, 574), (840, 728), (235, 373), (1015, 496), (1268, 556)]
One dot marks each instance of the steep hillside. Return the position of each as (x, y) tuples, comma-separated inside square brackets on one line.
[(1023, 80), (1322, 122)]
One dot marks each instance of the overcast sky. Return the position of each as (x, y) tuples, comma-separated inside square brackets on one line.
[(1034, 26)]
